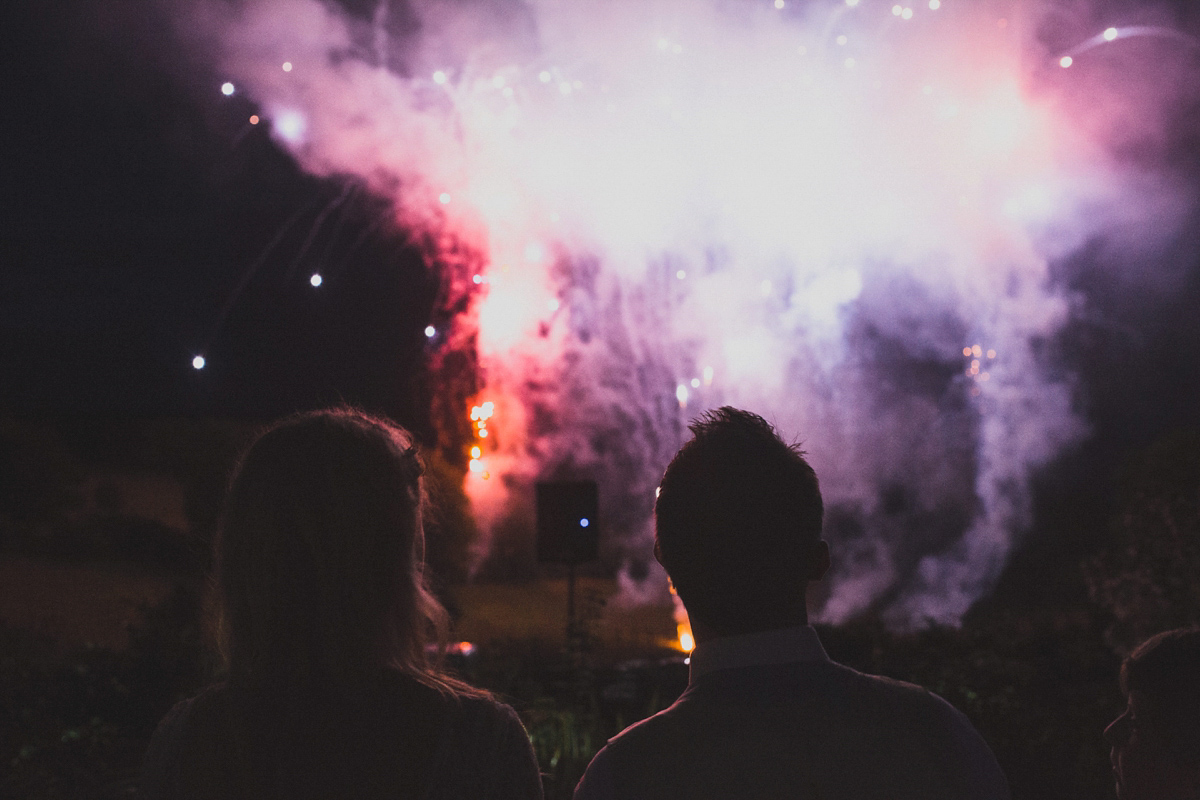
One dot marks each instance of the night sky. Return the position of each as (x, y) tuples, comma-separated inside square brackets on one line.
[(145, 222), (139, 211)]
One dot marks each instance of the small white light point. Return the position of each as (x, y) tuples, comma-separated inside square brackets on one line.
[(780, 3), (439, 77), (897, 10), (477, 279), (906, 13), (681, 394), (553, 304), (708, 375), (476, 452), (291, 126), (1066, 61), (695, 383), (287, 66), (934, 5), (430, 331), (444, 198), (316, 279), (198, 362), (227, 88), (681, 274), (1110, 34)]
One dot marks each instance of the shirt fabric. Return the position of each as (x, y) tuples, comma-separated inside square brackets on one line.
[(768, 715), (389, 738)]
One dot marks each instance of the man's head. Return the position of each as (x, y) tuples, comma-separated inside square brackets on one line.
[(1156, 741), (738, 525)]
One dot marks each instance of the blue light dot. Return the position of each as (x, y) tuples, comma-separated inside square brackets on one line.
[(583, 523)]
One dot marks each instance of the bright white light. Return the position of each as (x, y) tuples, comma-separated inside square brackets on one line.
[(476, 452), (779, 3), (287, 66), (584, 522), (534, 252), (430, 331), (681, 274), (906, 13), (897, 10), (291, 126), (553, 304), (708, 375), (226, 88), (681, 394), (934, 5), (198, 362), (477, 279), (316, 279), (695, 383), (1066, 61), (1110, 34), (439, 77), (444, 198)]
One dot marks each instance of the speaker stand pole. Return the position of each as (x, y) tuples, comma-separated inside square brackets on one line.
[(570, 602)]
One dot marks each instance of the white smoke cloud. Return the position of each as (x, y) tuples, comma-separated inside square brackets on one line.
[(835, 215)]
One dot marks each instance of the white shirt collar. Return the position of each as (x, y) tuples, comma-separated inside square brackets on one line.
[(778, 646)]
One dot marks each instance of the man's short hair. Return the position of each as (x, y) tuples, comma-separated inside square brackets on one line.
[(738, 516), (1164, 673)]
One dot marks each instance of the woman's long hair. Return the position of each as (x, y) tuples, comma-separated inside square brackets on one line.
[(319, 568)]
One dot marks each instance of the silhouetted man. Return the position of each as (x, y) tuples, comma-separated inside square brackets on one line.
[(766, 713), (1156, 741)]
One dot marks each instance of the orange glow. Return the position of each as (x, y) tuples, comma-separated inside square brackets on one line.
[(683, 626)]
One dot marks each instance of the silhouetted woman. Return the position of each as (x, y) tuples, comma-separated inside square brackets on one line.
[(322, 615)]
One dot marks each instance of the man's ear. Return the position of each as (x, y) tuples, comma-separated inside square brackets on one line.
[(818, 563)]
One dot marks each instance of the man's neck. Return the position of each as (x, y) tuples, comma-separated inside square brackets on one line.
[(787, 618)]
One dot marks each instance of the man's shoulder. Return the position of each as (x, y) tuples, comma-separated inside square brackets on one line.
[(822, 700)]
